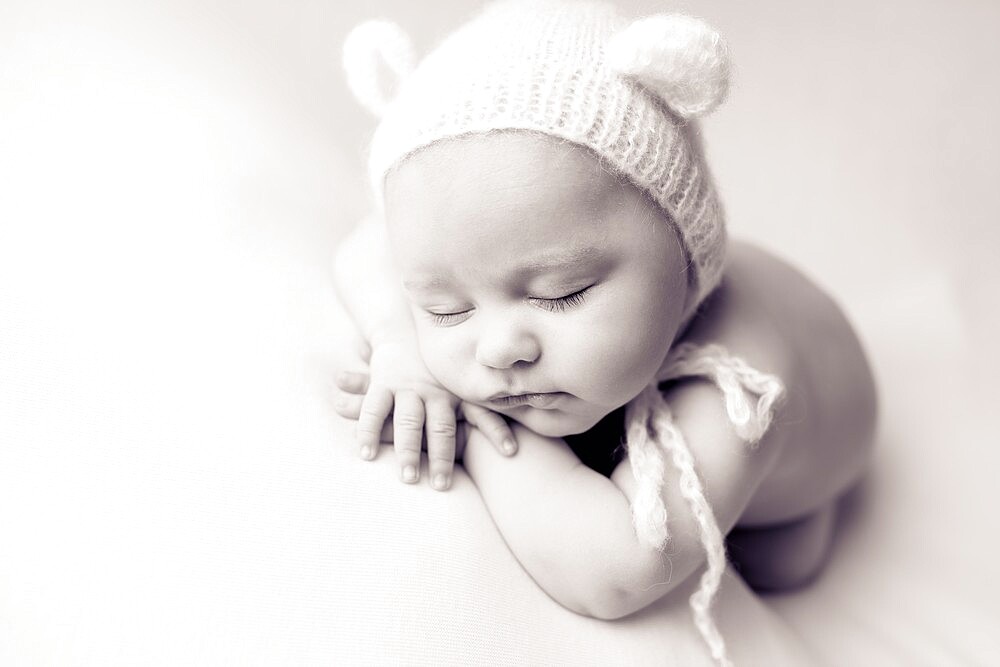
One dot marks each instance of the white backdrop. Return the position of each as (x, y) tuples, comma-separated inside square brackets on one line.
[(173, 177)]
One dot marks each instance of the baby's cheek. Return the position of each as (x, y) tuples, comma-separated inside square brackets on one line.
[(442, 358), (625, 360), (584, 365)]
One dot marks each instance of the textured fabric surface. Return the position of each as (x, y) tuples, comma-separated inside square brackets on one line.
[(176, 489)]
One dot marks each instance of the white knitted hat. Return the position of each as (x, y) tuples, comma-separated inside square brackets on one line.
[(569, 69)]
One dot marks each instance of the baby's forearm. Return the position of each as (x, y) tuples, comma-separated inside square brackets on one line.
[(569, 526), (366, 285)]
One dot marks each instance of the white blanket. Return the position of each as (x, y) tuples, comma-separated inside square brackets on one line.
[(177, 490)]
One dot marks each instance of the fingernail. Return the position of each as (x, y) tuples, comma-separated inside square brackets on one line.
[(440, 481), (508, 446), (366, 452), (409, 474)]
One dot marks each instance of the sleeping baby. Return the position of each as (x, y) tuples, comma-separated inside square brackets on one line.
[(548, 295)]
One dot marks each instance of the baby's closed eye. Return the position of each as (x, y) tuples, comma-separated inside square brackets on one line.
[(559, 304), (449, 318)]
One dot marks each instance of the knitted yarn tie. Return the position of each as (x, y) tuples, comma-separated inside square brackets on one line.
[(651, 429)]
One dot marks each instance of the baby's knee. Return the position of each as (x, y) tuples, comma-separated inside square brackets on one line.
[(783, 556)]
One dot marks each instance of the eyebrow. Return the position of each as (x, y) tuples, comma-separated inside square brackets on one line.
[(545, 262), (557, 259)]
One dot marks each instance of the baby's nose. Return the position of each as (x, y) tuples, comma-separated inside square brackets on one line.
[(504, 346)]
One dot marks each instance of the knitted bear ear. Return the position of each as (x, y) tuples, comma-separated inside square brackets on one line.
[(678, 58), (374, 52)]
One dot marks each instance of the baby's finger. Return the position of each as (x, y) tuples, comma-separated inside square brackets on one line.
[(375, 407), (440, 442), (494, 427), (348, 405), (407, 432), (352, 381)]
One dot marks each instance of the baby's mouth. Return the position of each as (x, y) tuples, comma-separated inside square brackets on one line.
[(544, 400)]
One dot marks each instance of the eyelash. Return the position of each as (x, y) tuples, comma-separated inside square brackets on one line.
[(556, 305), (564, 302), (443, 319)]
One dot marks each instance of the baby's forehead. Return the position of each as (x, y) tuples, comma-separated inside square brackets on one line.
[(501, 206), (519, 172)]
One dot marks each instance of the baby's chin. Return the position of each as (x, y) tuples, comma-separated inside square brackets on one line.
[(553, 423)]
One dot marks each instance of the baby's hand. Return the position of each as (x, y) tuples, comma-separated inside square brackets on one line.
[(398, 384)]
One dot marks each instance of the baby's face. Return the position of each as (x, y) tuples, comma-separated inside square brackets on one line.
[(541, 287)]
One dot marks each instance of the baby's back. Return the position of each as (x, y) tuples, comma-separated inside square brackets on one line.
[(777, 319)]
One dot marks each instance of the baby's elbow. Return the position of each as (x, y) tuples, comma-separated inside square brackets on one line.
[(611, 606), (583, 598), (604, 605), (591, 593), (614, 603), (630, 591)]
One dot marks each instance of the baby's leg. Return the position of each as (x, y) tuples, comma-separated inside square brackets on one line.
[(785, 555)]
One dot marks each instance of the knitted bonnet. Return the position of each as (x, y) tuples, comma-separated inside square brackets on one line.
[(575, 70)]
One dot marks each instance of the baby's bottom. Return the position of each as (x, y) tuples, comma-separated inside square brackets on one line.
[(786, 555)]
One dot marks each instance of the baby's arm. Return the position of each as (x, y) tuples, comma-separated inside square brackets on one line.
[(366, 284), (571, 528), (397, 383)]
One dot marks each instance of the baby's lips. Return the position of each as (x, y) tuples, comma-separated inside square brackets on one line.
[(534, 400)]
